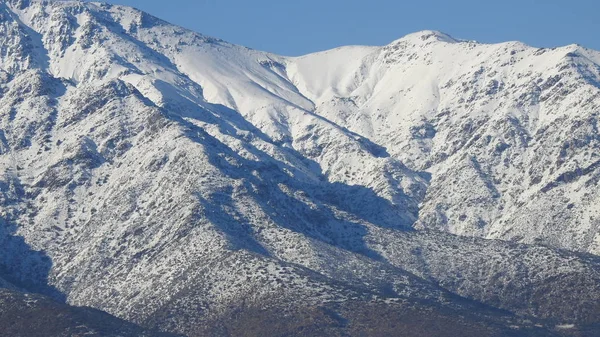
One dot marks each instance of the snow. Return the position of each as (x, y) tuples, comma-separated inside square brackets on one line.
[(566, 326), (160, 168)]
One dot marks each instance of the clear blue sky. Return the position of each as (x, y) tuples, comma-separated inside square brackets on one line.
[(296, 27)]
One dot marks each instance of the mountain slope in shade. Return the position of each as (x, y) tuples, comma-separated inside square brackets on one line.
[(190, 185), (34, 315)]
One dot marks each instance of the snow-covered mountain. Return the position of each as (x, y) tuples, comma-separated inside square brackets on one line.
[(187, 184)]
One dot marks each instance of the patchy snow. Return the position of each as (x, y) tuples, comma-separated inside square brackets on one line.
[(566, 326)]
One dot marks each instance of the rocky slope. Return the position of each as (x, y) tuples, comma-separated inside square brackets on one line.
[(190, 185)]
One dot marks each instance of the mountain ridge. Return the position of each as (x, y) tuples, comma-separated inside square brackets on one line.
[(176, 181)]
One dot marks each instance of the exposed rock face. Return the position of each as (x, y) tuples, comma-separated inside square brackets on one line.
[(187, 184)]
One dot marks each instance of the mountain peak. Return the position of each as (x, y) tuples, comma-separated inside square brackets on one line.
[(427, 37)]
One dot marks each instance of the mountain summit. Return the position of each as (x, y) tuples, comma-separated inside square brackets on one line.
[(433, 186)]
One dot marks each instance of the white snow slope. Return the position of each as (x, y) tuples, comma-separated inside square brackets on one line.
[(160, 169)]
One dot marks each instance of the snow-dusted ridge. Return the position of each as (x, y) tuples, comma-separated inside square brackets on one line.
[(171, 178)]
